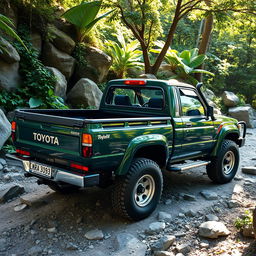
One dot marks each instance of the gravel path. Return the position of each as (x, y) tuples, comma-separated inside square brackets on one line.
[(54, 224)]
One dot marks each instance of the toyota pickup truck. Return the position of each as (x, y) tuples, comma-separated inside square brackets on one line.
[(141, 128)]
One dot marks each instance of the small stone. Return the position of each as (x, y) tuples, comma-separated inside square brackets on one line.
[(33, 232), (211, 217), (91, 246), (209, 195), (183, 248), (94, 234), (20, 207), (71, 247), (233, 204), (79, 220), (248, 231), (163, 253), (249, 170), (238, 189), (204, 245), (163, 243), (155, 227), (3, 162), (1, 167), (181, 215), (35, 250), (179, 254), (52, 230), (164, 216), (213, 229), (238, 178), (11, 193), (168, 202), (189, 197), (190, 213), (3, 244)]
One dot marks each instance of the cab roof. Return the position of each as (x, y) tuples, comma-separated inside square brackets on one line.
[(151, 82)]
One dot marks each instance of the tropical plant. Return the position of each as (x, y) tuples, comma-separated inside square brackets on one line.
[(124, 55), (184, 64), (6, 25), (83, 16)]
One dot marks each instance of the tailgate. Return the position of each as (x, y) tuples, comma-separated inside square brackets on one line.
[(48, 138)]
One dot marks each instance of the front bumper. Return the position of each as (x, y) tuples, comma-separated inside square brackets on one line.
[(60, 175)]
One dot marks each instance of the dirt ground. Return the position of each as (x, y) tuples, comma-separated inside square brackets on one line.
[(55, 224)]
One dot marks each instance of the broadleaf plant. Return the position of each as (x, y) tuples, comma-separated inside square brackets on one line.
[(83, 16)]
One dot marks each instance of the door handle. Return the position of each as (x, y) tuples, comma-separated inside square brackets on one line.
[(188, 124)]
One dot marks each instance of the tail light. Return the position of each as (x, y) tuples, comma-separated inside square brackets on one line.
[(13, 131), (135, 82), (87, 145), (23, 152), (79, 167)]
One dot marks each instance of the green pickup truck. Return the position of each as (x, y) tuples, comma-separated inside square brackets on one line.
[(141, 128)]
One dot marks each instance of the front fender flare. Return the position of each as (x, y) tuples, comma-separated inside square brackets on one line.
[(138, 143), (226, 130)]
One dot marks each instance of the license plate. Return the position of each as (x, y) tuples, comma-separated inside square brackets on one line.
[(41, 169)]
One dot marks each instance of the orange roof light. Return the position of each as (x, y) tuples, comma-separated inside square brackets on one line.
[(135, 82), (87, 140)]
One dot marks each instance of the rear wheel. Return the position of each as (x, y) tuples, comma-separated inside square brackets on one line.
[(63, 188), (136, 195), (224, 166)]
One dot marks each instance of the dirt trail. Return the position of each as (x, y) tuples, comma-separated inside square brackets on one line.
[(56, 224)]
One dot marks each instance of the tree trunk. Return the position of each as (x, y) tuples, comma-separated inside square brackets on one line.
[(204, 44)]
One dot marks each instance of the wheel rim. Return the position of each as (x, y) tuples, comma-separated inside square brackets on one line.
[(144, 190), (228, 162)]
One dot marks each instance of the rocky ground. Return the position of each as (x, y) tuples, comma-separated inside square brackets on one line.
[(38, 221)]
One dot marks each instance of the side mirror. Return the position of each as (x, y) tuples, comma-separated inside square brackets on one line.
[(210, 112)]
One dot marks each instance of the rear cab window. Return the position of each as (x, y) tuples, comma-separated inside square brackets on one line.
[(136, 97)]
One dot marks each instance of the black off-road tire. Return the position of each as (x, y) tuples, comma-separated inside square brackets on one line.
[(63, 188), (218, 170), (131, 190)]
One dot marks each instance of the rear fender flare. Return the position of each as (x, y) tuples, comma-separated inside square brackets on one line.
[(138, 143)]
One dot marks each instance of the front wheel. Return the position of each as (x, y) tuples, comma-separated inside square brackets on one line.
[(136, 195), (224, 166)]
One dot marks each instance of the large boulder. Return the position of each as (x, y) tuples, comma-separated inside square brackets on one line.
[(5, 128), (61, 82), (148, 76), (61, 40), (97, 65), (9, 75), (213, 229), (244, 113), (36, 40), (230, 99), (85, 93), (209, 94), (53, 57), (8, 53)]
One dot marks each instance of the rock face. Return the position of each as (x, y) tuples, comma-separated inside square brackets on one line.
[(5, 128), (61, 40), (8, 52), (9, 75), (86, 93), (61, 82), (127, 244), (98, 64), (148, 76), (36, 41), (230, 99), (213, 229), (244, 113), (53, 57)]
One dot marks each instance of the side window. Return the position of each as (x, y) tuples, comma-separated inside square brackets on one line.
[(190, 103)]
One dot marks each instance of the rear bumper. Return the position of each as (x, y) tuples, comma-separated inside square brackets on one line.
[(60, 175)]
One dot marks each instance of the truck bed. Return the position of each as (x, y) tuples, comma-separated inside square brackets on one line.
[(79, 117)]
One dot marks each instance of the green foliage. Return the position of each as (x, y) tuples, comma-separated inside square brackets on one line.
[(8, 148), (38, 83), (83, 16), (244, 221), (184, 64), (6, 25), (79, 54), (124, 55)]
